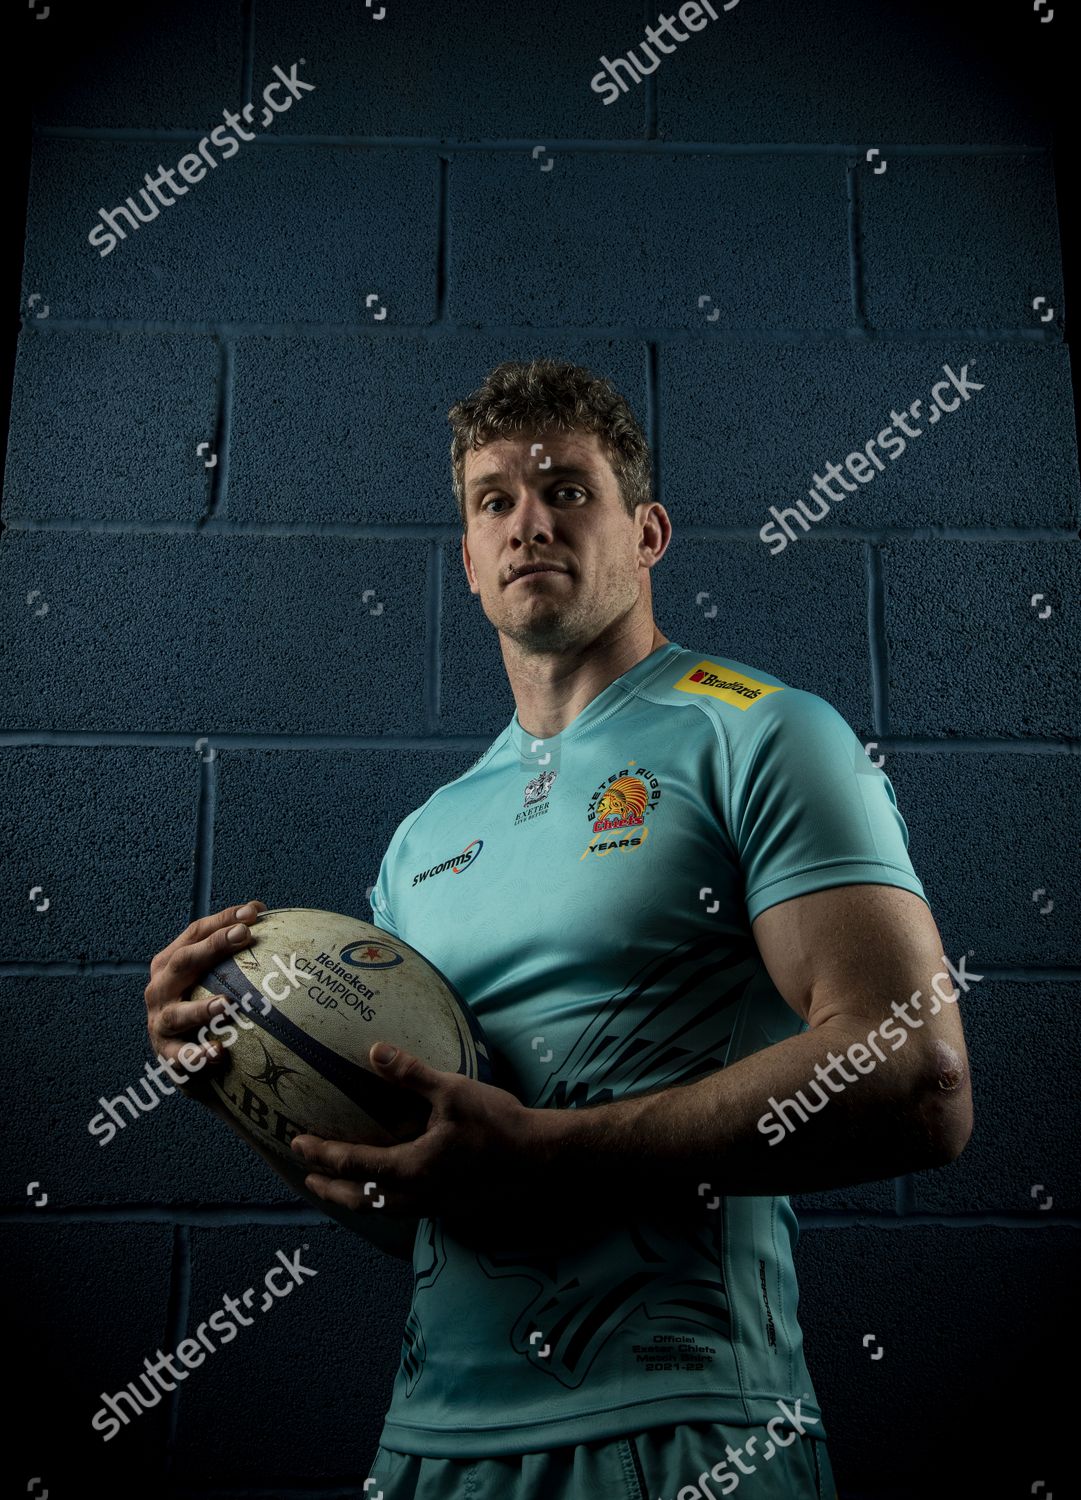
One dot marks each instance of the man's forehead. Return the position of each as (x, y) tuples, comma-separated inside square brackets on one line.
[(507, 454)]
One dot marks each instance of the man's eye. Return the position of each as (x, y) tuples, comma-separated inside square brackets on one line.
[(564, 489)]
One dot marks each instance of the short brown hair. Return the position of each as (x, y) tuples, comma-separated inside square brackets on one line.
[(539, 394)]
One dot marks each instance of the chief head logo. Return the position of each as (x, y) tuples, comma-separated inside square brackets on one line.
[(622, 806), (621, 809)]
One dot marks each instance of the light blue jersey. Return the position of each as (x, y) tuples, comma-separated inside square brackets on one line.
[(590, 896)]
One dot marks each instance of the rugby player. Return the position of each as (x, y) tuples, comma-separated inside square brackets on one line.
[(677, 895)]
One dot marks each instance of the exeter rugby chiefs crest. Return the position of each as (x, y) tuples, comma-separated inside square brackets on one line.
[(619, 809)]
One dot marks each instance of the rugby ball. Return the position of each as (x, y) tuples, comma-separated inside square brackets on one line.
[(316, 989)]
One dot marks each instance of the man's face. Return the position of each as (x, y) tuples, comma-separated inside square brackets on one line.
[(568, 516)]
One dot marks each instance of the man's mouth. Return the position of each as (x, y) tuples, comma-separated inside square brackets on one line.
[(531, 568)]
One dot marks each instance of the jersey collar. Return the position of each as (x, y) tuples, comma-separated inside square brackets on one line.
[(609, 696)]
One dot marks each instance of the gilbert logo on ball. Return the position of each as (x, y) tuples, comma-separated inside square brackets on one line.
[(323, 987)]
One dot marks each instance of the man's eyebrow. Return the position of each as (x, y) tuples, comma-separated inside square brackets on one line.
[(482, 481)]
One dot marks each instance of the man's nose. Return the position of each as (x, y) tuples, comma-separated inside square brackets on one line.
[(532, 517)]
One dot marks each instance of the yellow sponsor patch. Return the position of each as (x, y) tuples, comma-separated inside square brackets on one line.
[(711, 678)]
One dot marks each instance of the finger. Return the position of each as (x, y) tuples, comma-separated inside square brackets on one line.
[(204, 927), (369, 1197), (186, 1017), (192, 960), (193, 1021), (172, 988), (351, 1159), (406, 1069), (174, 977), (189, 1057)]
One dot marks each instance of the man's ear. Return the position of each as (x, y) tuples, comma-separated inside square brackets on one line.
[(656, 531), (467, 563)]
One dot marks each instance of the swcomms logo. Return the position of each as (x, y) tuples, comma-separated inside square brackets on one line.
[(711, 678), (459, 864)]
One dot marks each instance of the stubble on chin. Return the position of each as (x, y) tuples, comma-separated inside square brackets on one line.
[(552, 631)]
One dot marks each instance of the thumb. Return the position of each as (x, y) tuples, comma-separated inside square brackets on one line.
[(403, 1068)]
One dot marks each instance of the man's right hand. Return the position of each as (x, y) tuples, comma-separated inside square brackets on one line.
[(172, 1019)]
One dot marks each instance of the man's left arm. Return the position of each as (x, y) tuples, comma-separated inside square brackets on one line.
[(863, 965), (882, 1066)]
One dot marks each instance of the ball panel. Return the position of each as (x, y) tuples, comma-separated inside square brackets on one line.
[(317, 988), (348, 1004), (345, 1090)]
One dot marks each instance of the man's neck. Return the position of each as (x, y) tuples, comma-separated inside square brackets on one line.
[(551, 689)]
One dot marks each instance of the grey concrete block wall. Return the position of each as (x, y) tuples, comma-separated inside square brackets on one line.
[(233, 605)]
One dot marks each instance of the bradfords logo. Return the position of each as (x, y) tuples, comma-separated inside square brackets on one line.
[(459, 863), (371, 956), (731, 687), (618, 811)]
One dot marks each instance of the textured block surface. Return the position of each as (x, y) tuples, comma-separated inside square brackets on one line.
[(230, 671)]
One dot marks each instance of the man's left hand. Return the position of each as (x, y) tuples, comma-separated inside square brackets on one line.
[(483, 1160)]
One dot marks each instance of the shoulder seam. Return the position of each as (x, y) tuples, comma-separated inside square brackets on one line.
[(403, 829), (476, 765), (407, 824), (633, 691), (457, 780), (721, 736), (726, 781)]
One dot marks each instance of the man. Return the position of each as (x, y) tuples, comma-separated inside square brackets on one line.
[(687, 923)]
